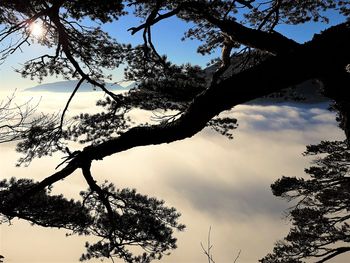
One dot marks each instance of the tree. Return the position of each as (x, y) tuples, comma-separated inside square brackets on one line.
[(267, 62), (321, 216)]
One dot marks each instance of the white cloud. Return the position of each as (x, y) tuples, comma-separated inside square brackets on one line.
[(211, 180)]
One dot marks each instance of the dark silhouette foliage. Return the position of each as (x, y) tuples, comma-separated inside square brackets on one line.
[(135, 219), (256, 61), (320, 216)]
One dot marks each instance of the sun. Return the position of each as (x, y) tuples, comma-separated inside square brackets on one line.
[(36, 29)]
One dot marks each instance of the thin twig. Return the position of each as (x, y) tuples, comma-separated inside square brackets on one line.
[(69, 100), (239, 253)]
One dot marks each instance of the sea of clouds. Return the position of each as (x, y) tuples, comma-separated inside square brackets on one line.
[(214, 182)]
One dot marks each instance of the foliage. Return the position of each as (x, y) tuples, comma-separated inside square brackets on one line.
[(82, 51), (137, 219), (320, 218), (264, 61)]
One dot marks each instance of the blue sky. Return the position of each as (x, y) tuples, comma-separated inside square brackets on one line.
[(167, 39)]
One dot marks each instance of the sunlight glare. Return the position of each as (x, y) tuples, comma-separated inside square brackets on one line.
[(36, 29)]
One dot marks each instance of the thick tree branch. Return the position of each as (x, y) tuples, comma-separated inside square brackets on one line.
[(272, 42), (323, 56), (86, 169), (73, 165)]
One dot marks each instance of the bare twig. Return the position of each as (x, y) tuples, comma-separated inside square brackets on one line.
[(15, 120), (237, 257), (207, 251)]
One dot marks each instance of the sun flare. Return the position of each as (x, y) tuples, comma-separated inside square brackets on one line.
[(36, 30)]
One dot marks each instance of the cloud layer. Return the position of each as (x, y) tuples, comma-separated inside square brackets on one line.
[(211, 180)]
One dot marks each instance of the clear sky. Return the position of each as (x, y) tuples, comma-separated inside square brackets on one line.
[(166, 36)]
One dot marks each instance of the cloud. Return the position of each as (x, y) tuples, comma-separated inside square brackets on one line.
[(211, 180), (229, 202), (283, 117)]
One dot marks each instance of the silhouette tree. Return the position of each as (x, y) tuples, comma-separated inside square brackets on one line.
[(320, 216), (265, 61)]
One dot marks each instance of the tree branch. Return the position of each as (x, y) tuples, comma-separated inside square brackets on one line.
[(64, 41), (151, 22), (320, 57), (274, 10), (334, 253), (69, 100), (326, 54), (272, 42)]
